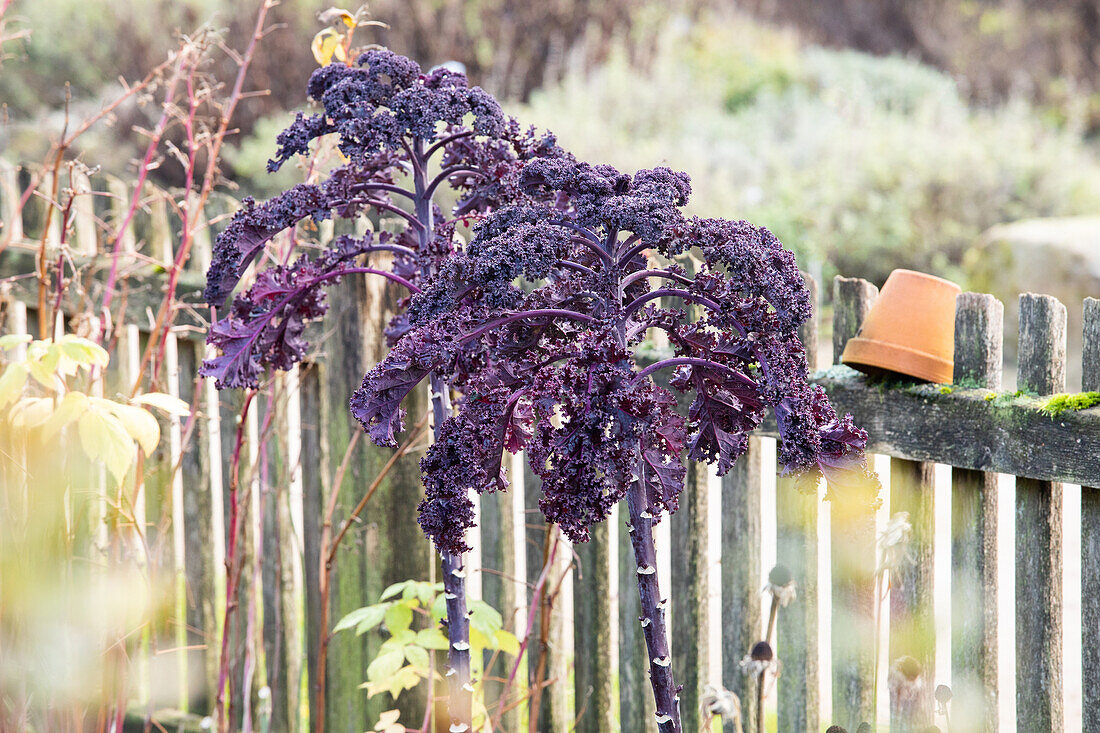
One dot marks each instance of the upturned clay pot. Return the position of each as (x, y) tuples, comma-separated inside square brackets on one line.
[(910, 329)]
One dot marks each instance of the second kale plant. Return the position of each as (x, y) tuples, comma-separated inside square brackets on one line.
[(540, 321)]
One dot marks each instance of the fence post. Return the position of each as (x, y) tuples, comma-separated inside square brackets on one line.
[(83, 212), (498, 587), (1090, 540), (1042, 370), (690, 629), (852, 538), (345, 703), (979, 339), (797, 629), (554, 714), (118, 206), (401, 551), (741, 538), (592, 632), (10, 215), (281, 641), (912, 627), (313, 509), (637, 710), (201, 599)]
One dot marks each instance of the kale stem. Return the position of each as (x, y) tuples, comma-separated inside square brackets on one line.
[(460, 699), (654, 625)]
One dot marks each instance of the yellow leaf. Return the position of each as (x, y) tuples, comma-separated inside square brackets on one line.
[(481, 721), (104, 439), (387, 721), (507, 642), (11, 383), (165, 403), (30, 412), (71, 407), (11, 340), (37, 349), (83, 351), (326, 44), (139, 423), (334, 16), (43, 372)]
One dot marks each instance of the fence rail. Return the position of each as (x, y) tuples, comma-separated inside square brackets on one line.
[(298, 431)]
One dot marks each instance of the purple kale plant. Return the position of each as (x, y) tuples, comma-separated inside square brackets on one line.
[(539, 321), (410, 140)]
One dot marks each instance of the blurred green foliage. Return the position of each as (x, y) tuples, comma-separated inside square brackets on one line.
[(861, 164)]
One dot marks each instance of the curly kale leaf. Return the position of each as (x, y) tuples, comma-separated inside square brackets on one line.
[(266, 323), (251, 228)]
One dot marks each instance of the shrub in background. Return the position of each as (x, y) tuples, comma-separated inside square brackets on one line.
[(860, 164)]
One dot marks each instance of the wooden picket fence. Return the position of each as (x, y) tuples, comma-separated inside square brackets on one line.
[(297, 432)]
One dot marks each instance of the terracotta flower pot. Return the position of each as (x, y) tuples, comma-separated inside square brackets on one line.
[(910, 329)]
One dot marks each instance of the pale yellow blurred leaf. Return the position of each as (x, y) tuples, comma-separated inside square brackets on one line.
[(387, 722), (165, 403), (139, 423), (30, 412), (335, 16), (11, 383), (83, 351), (104, 439), (71, 407), (44, 372), (11, 340)]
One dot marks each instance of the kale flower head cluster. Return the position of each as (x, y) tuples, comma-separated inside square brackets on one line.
[(540, 320), (410, 140)]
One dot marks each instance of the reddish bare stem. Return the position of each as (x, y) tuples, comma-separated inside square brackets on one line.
[(232, 566)]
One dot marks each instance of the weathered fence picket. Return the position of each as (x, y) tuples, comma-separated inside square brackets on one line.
[(912, 627), (592, 618), (637, 709), (741, 542), (852, 538), (796, 514), (1090, 538), (546, 549), (979, 339), (498, 583), (687, 591), (1039, 540)]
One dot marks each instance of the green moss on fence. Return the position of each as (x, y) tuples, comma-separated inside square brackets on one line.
[(1060, 403)]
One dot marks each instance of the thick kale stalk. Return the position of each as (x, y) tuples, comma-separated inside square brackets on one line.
[(554, 369), (409, 139), (654, 619)]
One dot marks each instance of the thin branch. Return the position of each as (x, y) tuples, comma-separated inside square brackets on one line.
[(390, 188), (385, 206), (693, 361), (538, 313), (671, 293), (446, 141), (665, 274), (446, 173)]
